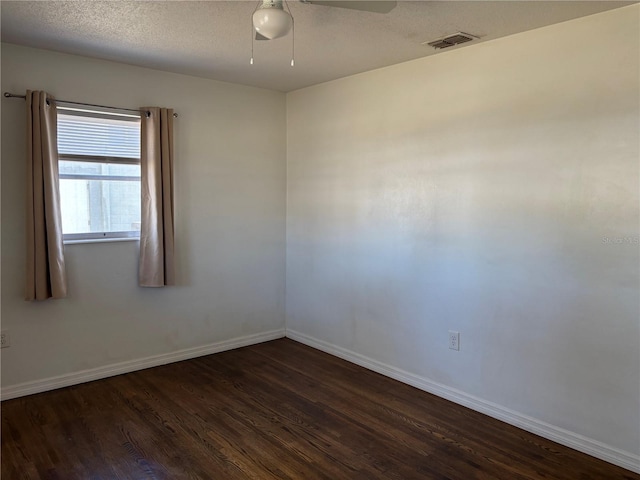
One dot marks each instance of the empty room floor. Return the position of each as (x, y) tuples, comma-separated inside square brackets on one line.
[(277, 410)]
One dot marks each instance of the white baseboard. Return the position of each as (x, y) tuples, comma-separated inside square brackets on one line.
[(28, 388), (565, 437)]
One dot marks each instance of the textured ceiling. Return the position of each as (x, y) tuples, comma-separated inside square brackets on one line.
[(212, 39)]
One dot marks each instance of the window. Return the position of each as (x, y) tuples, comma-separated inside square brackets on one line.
[(99, 164)]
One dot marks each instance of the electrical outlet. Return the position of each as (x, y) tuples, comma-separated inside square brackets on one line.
[(454, 340), (5, 341)]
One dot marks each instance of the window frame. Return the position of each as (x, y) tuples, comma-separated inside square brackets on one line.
[(97, 112)]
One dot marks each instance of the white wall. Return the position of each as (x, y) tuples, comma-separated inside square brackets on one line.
[(472, 191), (230, 232)]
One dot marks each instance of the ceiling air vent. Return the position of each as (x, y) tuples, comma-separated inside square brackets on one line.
[(451, 40)]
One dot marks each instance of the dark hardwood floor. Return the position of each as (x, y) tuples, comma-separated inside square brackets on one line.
[(278, 410)]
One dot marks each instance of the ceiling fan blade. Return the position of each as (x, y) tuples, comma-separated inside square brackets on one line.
[(260, 37), (375, 6)]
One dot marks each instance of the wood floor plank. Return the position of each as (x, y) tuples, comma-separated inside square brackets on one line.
[(277, 410)]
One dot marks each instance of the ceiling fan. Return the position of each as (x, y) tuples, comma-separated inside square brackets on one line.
[(270, 20)]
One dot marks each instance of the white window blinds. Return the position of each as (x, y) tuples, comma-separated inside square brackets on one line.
[(98, 136)]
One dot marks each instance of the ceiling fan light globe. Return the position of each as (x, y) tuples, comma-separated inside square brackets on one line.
[(272, 22)]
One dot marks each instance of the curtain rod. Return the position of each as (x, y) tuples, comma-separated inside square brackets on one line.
[(13, 95)]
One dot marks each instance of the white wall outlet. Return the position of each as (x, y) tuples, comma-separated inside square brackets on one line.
[(454, 340), (5, 341)]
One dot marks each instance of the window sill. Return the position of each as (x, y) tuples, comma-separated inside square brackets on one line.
[(101, 240)]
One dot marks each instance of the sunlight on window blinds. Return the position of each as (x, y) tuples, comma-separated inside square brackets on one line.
[(111, 137)]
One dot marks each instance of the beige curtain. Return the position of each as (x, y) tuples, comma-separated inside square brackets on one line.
[(157, 230), (46, 277)]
